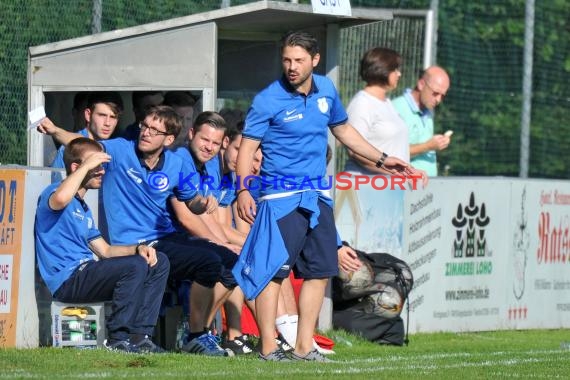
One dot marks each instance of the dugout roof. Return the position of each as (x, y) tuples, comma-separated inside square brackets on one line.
[(229, 52)]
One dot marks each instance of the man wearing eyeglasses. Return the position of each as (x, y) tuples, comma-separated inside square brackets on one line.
[(416, 107)]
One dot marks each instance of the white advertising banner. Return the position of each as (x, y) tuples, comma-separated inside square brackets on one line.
[(538, 295), (486, 254), (455, 244)]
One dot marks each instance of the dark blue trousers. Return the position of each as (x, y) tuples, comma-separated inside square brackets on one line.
[(197, 260), (134, 288)]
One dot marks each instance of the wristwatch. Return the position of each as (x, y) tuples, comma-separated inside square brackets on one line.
[(380, 162)]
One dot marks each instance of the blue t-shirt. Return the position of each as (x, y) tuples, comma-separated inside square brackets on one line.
[(62, 238), (135, 198), (58, 160), (292, 129)]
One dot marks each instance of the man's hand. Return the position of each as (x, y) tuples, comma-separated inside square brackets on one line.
[(95, 160), (418, 174), (148, 253), (439, 142), (397, 167), (348, 260), (47, 127), (246, 206)]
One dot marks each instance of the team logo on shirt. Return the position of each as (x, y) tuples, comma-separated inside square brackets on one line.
[(158, 181), (323, 105)]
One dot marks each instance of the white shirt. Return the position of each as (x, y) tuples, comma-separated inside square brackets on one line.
[(380, 124)]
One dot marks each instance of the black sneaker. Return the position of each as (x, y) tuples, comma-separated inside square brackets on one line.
[(147, 346), (282, 344), (277, 355), (122, 346), (239, 346)]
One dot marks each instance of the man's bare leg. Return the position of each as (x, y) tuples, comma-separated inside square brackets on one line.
[(220, 295), (201, 302), (233, 307), (266, 311), (310, 302)]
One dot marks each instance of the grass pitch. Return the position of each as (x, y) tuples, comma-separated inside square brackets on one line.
[(537, 354)]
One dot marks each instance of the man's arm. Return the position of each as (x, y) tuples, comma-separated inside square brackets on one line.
[(69, 187), (241, 225), (350, 137), (199, 205), (437, 142), (225, 219), (62, 136), (367, 164), (196, 225), (245, 203), (192, 222), (104, 251)]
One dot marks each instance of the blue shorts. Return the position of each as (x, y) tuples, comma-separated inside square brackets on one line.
[(312, 252)]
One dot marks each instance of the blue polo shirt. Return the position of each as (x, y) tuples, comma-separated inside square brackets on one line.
[(292, 129), (62, 238), (135, 198), (208, 179)]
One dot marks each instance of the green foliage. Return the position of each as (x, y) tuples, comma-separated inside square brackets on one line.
[(479, 42), (481, 45)]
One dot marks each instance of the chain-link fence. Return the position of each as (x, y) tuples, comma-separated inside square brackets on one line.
[(404, 34), (479, 42)]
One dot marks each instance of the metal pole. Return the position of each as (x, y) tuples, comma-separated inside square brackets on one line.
[(96, 16), (527, 88), (431, 34)]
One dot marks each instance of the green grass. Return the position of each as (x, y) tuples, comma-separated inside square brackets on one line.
[(537, 354)]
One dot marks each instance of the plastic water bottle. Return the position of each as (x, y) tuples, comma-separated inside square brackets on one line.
[(78, 331)]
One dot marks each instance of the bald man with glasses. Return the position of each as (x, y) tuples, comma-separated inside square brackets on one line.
[(416, 107)]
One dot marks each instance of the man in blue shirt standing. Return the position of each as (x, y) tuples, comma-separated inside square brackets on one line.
[(293, 227), (133, 277)]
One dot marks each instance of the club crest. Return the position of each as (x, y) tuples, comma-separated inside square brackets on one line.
[(323, 105)]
